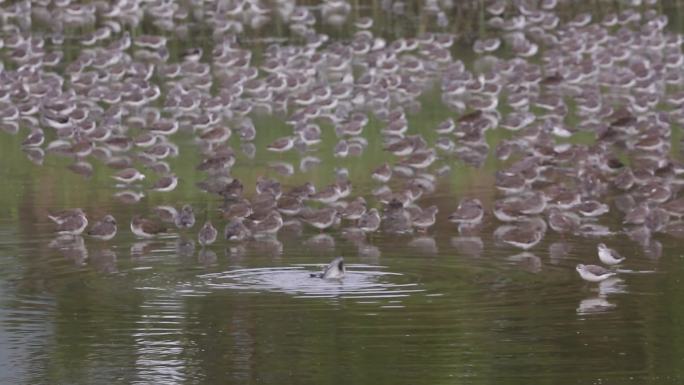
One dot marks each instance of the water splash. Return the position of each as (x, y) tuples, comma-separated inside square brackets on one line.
[(360, 282)]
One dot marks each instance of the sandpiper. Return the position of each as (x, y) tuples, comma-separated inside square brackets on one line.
[(167, 214), (322, 218), (73, 225), (232, 190), (185, 218), (35, 139), (383, 173), (592, 208), (524, 235), (563, 221), (355, 209), (104, 229), (240, 209), (425, 219), (608, 255), (128, 175), (334, 270), (266, 185), (370, 221), (207, 235), (145, 228), (282, 144), (129, 196), (60, 217), (328, 194), (268, 226), (594, 273), (165, 183), (290, 205), (469, 211), (236, 230)]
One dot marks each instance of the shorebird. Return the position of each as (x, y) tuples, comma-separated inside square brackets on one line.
[(383, 173), (236, 230), (334, 270), (165, 183), (239, 209), (469, 211), (592, 208), (322, 218), (328, 194), (563, 221), (289, 205), (35, 139), (523, 235), (370, 221), (269, 226), (354, 209), (145, 228), (104, 229), (73, 225), (282, 144), (185, 218), (60, 217), (594, 273), (128, 175), (608, 255), (425, 218), (207, 234)]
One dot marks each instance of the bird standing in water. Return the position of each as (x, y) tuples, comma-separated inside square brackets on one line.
[(207, 234), (185, 218), (594, 273), (609, 256), (104, 229)]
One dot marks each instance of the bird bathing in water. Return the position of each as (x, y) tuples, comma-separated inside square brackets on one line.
[(334, 270)]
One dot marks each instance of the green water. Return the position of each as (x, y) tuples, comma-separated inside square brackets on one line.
[(434, 308)]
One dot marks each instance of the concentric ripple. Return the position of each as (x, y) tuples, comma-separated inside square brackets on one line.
[(360, 281)]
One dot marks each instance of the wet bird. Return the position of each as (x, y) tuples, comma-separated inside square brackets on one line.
[(608, 255), (145, 228), (594, 273), (334, 270), (104, 229), (185, 218), (207, 234)]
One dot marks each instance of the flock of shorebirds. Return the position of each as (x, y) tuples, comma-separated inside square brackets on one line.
[(539, 76)]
